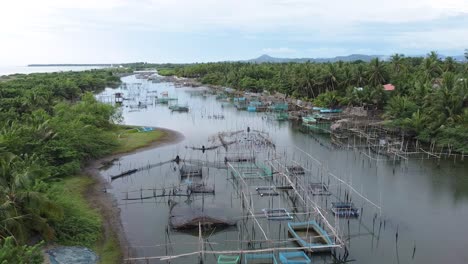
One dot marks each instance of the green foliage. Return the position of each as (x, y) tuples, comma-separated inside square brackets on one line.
[(429, 100), (81, 224), (50, 124), (24, 209), (10, 252), (328, 99)]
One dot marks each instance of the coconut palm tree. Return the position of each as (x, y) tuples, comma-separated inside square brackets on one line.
[(449, 64), (377, 73), (431, 68), (330, 78), (23, 209), (397, 61), (359, 78)]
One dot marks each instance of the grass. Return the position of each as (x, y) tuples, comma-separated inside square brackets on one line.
[(130, 139), (82, 223), (109, 251)]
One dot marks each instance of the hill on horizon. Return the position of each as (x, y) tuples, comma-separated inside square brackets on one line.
[(265, 58)]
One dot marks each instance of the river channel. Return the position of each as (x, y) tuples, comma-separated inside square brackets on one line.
[(414, 211)]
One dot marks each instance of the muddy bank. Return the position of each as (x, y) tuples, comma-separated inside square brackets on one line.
[(105, 203)]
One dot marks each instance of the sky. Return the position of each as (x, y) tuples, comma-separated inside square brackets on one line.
[(113, 31)]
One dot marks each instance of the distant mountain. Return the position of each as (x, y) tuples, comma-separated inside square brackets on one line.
[(353, 57), (350, 58)]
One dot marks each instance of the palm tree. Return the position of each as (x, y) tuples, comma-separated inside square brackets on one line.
[(431, 68), (449, 64), (399, 107), (377, 73), (447, 102), (397, 61), (22, 209), (347, 78), (433, 55), (360, 76), (330, 79)]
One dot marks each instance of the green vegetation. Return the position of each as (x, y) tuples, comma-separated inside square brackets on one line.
[(50, 125), (430, 100), (10, 252), (81, 224), (130, 139)]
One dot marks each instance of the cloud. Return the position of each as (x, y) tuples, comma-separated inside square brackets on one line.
[(310, 26), (281, 50)]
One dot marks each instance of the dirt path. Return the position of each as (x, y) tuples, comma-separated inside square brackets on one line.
[(105, 202)]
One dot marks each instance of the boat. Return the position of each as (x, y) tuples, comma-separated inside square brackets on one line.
[(327, 110), (260, 258), (345, 209), (179, 108), (251, 108), (164, 100), (311, 236), (295, 257), (228, 259), (308, 119)]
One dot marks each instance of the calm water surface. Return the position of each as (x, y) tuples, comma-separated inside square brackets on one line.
[(424, 207)]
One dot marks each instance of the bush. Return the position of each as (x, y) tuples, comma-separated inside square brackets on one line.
[(10, 252)]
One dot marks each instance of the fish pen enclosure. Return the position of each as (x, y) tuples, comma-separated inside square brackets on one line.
[(276, 205), (250, 170), (378, 142)]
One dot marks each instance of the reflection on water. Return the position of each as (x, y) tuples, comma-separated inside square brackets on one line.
[(424, 206)]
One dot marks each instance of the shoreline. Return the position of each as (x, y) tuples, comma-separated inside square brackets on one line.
[(105, 203)]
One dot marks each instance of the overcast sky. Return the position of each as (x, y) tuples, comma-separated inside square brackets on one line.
[(106, 31)]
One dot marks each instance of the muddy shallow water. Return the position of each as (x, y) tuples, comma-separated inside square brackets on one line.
[(424, 207)]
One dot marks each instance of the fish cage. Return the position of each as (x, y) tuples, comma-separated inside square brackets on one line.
[(345, 209), (260, 258), (279, 214), (282, 116), (186, 217), (317, 188), (249, 170), (296, 170), (228, 259), (267, 191), (279, 107), (187, 171), (201, 188)]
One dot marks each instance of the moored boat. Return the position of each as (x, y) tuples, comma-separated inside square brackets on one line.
[(311, 236), (295, 257)]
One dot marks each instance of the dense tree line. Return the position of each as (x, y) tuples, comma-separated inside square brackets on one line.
[(50, 124), (430, 99)]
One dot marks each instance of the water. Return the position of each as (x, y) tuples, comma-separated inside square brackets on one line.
[(7, 70), (424, 206)]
